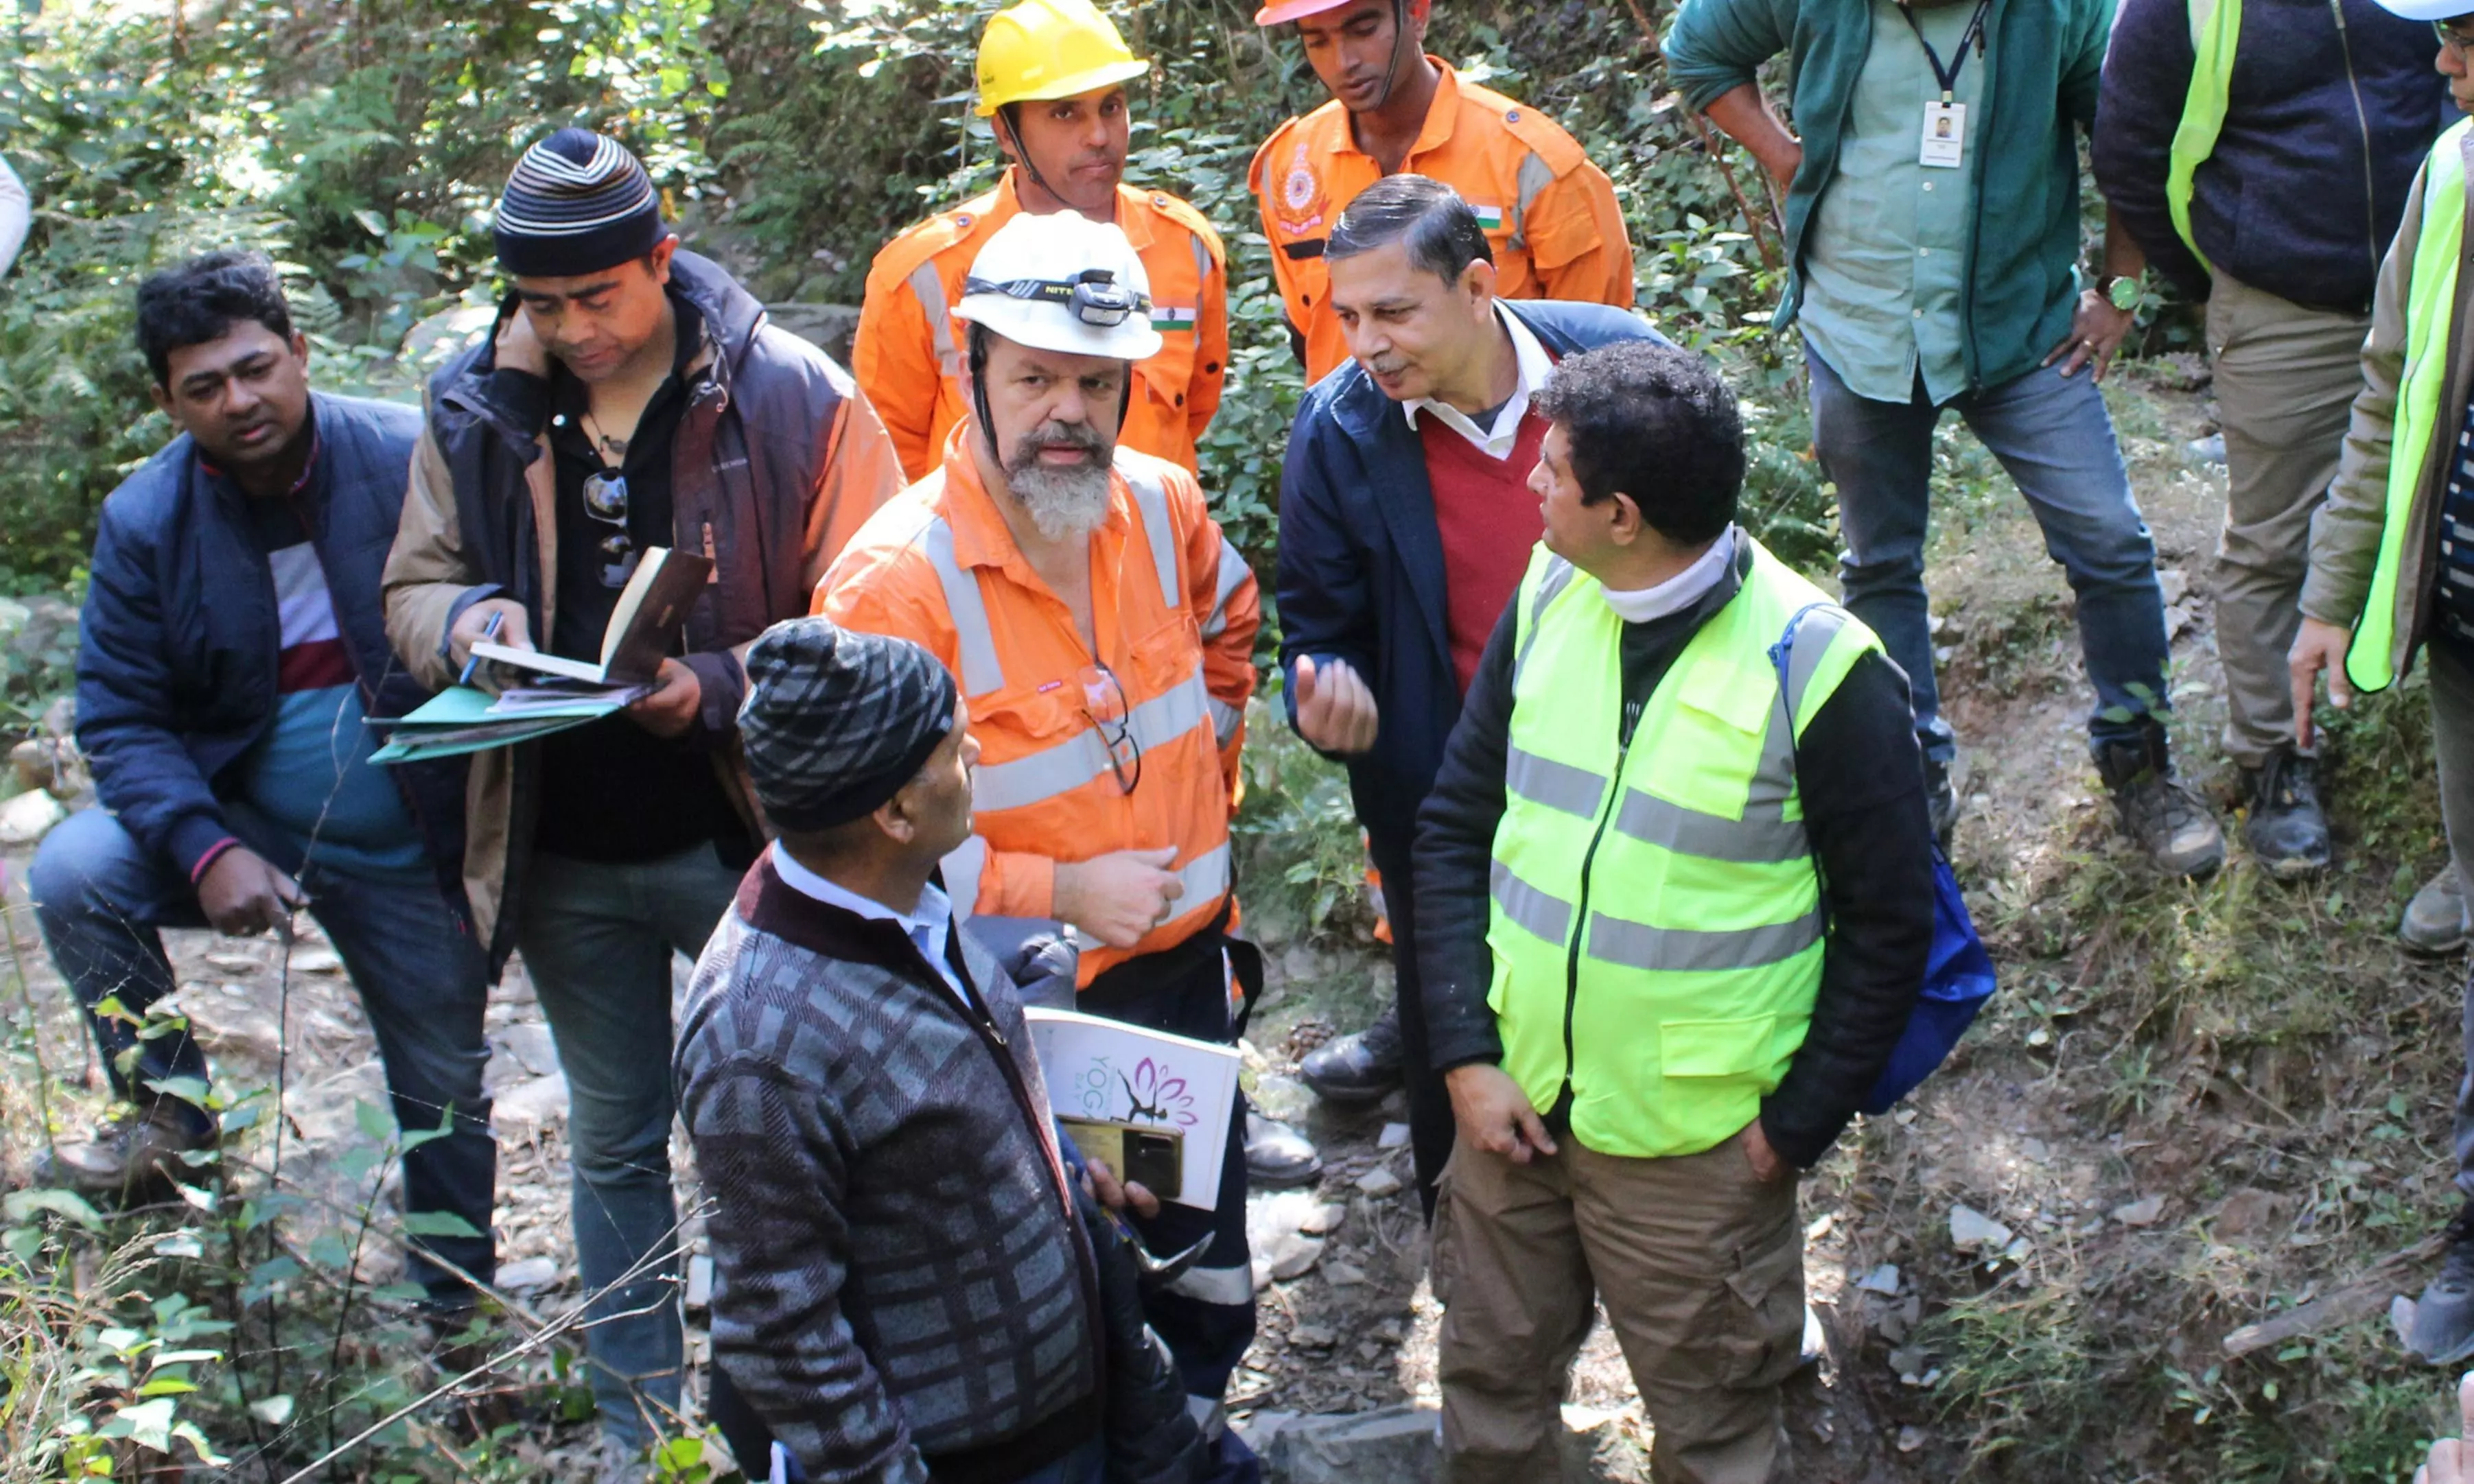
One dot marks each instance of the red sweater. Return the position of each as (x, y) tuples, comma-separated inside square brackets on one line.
[(1488, 521)]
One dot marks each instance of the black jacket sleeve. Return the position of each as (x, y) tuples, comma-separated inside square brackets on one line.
[(1861, 780), (2146, 77), (1455, 846)]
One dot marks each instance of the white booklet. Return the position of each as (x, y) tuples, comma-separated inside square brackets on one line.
[(1108, 1071)]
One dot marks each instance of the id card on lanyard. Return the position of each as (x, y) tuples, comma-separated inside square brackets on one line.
[(1943, 144)]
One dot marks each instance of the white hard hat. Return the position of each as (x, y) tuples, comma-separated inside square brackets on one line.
[(1063, 282), (2427, 9)]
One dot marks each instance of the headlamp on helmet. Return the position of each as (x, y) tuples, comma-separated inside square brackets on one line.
[(1095, 295)]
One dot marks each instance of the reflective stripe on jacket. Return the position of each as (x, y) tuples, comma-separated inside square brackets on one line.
[(1175, 609), (1656, 923), (909, 353), (2423, 416), (1549, 214)]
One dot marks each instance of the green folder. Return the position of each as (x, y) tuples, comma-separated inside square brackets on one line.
[(457, 720)]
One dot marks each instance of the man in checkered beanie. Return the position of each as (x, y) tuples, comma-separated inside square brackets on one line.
[(632, 397), (892, 1222)]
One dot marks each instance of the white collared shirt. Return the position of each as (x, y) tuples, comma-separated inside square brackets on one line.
[(928, 925), (1531, 360)]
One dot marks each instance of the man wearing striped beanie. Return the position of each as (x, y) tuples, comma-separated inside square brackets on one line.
[(633, 397)]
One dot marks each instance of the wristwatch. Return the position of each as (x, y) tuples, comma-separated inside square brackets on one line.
[(2122, 291)]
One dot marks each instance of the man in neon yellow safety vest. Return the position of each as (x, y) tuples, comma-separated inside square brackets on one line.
[(1674, 902), (2261, 151), (2392, 554)]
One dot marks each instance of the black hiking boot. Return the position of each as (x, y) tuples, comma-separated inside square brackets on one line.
[(2444, 1320), (1360, 1069), (2283, 824), (133, 1156), (2167, 820)]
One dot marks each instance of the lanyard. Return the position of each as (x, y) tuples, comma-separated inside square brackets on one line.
[(1973, 36)]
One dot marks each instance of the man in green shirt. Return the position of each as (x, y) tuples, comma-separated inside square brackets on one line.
[(1932, 221)]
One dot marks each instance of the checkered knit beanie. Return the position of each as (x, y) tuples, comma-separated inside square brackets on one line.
[(576, 203), (837, 721)]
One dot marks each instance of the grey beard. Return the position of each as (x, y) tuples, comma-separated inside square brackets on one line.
[(1062, 502)]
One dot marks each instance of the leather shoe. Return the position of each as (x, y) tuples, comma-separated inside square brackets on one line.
[(1360, 1069), (1276, 1153), (134, 1154)]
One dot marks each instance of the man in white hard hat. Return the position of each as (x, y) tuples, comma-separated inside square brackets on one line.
[(1103, 630), (2392, 570)]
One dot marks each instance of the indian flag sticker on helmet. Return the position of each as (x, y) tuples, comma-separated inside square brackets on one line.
[(1489, 218), (1171, 317)]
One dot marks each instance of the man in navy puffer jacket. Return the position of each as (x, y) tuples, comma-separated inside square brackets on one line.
[(229, 650)]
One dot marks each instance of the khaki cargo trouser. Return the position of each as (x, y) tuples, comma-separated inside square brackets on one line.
[(2284, 382), (1702, 1272)]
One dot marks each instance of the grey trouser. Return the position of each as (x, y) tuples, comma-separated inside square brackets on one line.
[(2452, 735), (2286, 378)]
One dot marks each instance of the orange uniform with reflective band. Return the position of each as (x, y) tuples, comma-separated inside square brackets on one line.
[(1549, 214), (909, 353), (1175, 609)]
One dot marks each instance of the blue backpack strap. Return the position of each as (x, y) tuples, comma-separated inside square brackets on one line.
[(1958, 973)]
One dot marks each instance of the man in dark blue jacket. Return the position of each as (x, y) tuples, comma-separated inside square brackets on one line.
[(232, 644), (1405, 523), (2216, 120)]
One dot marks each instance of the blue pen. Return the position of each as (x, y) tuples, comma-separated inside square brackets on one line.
[(489, 635)]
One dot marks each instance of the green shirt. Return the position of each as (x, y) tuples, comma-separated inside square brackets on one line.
[(2038, 75), (1885, 264)]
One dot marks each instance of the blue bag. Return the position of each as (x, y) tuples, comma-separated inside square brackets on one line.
[(1958, 973)]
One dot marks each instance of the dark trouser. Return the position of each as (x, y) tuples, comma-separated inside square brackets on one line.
[(102, 899), (1208, 1316), (1430, 1106), (2452, 738), (598, 939)]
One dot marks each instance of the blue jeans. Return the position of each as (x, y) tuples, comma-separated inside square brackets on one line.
[(2053, 434), (102, 898), (597, 941)]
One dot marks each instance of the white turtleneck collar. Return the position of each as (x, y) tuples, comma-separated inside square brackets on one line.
[(1678, 592)]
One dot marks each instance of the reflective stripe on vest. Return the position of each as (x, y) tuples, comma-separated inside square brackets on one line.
[(2216, 25), (1201, 275), (2430, 303), (1657, 923), (930, 290)]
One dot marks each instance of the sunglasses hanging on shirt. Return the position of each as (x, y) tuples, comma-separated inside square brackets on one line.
[(605, 500)]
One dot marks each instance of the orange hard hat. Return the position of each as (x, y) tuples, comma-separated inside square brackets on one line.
[(1276, 11)]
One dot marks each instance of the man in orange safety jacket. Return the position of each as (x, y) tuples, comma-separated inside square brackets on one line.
[(1051, 76), (1549, 214), (1102, 629)]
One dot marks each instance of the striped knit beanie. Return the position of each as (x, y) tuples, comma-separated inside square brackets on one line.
[(577, 204), (837, 721)]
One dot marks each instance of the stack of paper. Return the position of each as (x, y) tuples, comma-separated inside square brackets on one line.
[(463, 719)]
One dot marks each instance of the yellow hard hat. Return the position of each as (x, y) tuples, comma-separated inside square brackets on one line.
[(1044, 49)]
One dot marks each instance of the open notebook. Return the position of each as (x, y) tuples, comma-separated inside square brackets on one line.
[(651, 610)]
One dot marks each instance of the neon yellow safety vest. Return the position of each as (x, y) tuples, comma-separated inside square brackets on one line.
[(2216, 25), (2430, 303), (1657, 943)]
